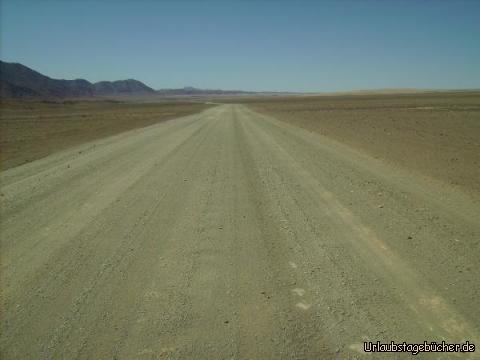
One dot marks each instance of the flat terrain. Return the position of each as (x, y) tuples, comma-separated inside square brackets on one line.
[(30, 130), (232, 235), (433, 134)]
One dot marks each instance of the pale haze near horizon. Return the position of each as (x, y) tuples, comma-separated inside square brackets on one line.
[(249, 45)]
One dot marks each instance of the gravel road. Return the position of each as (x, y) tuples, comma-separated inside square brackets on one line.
[(231, 235)]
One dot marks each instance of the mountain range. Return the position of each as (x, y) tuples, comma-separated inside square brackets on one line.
[(17, 80), (192, 91)]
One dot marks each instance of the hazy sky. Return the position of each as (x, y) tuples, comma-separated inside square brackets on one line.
[(249, 45)]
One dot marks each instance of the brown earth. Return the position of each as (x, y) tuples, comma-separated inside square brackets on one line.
[(434, 134), (30, 130)]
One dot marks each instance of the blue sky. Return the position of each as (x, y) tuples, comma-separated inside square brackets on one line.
[(249, 45)]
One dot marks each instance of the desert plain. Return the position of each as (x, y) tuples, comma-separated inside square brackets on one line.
[(273, 227)]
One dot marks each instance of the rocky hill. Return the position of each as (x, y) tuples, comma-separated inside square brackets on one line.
[(17, 80)]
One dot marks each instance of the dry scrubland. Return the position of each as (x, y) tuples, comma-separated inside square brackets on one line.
[(434, 134), (31, 130)]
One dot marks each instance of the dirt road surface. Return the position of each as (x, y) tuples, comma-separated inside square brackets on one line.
[(231, 235)]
